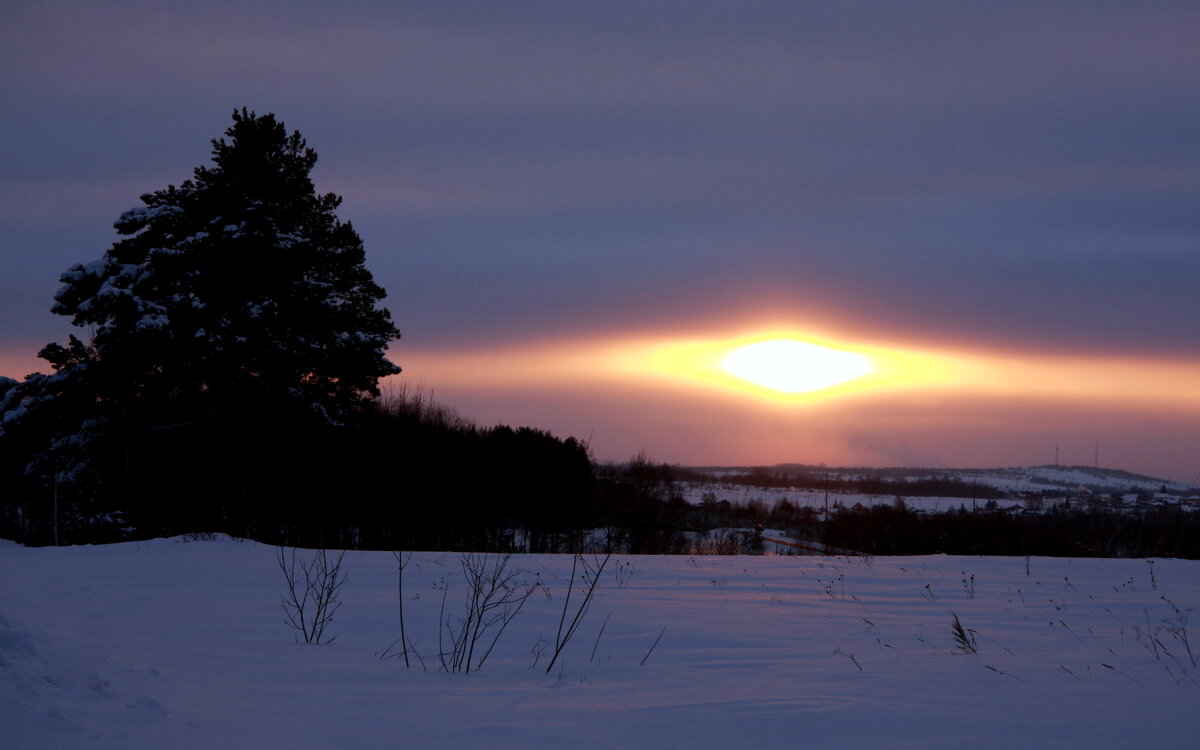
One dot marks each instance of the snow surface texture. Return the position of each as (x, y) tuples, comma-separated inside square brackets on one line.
[(170, 644)]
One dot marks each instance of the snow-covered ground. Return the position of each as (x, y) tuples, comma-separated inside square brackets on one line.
[(182, 645)]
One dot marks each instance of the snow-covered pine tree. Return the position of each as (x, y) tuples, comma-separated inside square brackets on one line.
[(234, 308), (239, 289)]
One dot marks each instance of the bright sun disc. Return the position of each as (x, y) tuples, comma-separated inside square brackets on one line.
[(793, 366)]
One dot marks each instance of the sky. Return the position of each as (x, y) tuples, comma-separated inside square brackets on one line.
[(578, 208)]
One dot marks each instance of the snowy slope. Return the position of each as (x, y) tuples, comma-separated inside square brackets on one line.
[(1070, 477), (168, 644)]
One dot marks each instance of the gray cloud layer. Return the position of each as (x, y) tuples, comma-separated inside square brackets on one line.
[(1011, 174)]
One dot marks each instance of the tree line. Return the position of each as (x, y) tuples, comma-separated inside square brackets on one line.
[(1058, 532), (933, 486)]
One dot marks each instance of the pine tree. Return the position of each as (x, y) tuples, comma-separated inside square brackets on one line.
[(234, 308), (237, 289)]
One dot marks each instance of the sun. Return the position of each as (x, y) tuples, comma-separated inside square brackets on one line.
[(793, 366)]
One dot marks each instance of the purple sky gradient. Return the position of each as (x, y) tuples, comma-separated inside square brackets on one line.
[(1011, 176)]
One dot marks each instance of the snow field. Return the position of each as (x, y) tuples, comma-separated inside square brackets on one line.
[(173, 644)]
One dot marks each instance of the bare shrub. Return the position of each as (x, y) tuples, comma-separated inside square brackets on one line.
[(588, 574), (413, 402), (312, 596), (726, 542), (655, 645), (849, 656), (963, 637), (496, 594), (1177, 626), (406, 646), (624, 573)]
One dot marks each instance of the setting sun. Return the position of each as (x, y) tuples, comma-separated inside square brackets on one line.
[(794, 366)]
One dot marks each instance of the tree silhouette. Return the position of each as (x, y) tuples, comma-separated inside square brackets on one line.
[(233, 306), (239, 290)]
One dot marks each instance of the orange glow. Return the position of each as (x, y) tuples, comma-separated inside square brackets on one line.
[(703, 363), (917, 406), (626, 364)]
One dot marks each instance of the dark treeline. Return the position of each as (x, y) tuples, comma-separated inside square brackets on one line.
[(403, 473), (926, 487), (407, 473), (410, 474), (1060, 532)]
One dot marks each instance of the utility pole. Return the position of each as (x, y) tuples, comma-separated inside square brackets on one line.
[(1056, 454)]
